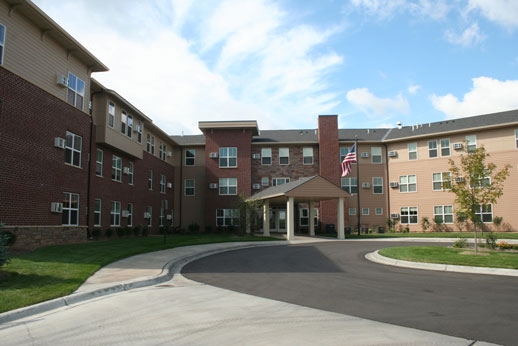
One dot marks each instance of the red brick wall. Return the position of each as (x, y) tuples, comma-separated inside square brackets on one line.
[(32, 171)]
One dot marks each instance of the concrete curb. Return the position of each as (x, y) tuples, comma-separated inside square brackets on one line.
[(377, 258), (168, 271)]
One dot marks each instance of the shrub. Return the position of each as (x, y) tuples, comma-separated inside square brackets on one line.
[(461, 243), (208, 229), (145, 231), (108, 233), (503, 245), (491, 240), (194, 227), (96, 233), (120, 232), (137, 230), (4, 250)]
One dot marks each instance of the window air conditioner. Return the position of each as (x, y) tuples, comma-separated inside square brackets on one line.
[(56, 207), (213, 186), (256, 186), (60, 142), (457, 146), (394, 216), (169, 185), (364, 154), (459, 179), (169, 153), (125, 213), (256, 156), (394, 184), (366, 185), (169, 217), (213, 155), (62, 81), (147, 215), (126, 170), (392, 153)]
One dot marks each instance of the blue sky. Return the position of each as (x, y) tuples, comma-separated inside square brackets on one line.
[(282, 63)]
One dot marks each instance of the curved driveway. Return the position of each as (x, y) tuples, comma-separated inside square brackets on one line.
[(334, 276)]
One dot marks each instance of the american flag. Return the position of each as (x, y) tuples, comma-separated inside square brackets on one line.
[(348, 159)]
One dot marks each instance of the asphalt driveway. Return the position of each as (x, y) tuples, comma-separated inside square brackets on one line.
[(334, 276)]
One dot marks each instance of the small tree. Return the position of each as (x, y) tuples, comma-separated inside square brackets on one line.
[(249, 213), (4, 247), (476, 184)]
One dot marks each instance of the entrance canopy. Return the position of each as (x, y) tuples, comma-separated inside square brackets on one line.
[(304, 190)]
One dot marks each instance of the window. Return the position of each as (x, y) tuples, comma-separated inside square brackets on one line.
[(116, 168), (379, 211), (130, 126), (97, 212), (162, 151), (70, 215), (228, 186), (189, 187), (228, 157), (445, 147), (227, 217), (163, 212), (150, 180), (150, 144), (140, 129), (304, 216), (124, 121), (130, 214), (280, 181), (131, 173), (149, 215), (343, 153), (76, 91), (409, 215), (99, 162), (484, 214), (471, 142), (284, 156), (73, 149), (265, 181), (2, 43), (376, 155), (516, 138), (377, 185), (266, 156), (441, 181), (190, 157), (162, 183), (307, 154), (111, 114), (115, 214), (351, 211), (350, 185), (432, 149), (443, 213), (407, 183), (365, 211), (412, 151)]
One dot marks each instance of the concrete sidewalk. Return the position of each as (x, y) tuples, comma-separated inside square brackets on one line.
[(157, 268)]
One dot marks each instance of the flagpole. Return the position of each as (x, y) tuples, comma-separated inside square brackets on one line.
[(358, 183)]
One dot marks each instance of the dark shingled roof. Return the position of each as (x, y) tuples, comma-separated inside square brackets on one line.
[(286, 136), (189, 140)]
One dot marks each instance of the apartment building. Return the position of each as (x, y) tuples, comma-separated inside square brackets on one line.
[(74, 155)]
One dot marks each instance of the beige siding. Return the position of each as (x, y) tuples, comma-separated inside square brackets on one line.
[(37, 58), (193, 207)]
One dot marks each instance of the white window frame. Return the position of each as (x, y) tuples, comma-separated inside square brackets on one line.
[(73, 149), (150, 180), (124, 121), (307, 155), (227, 186), (405, 181), (130, 215), (150, 144), (280, 181), (150, 212), (162, 183), (265, 181), (227, 217), (409, 215), (111, 114), (163, 212), (266, 156), (378, 211), (115, 214), (349, 184), (189, 187), (433, 149), (483, 213), (445, 212), (116, 168), (131, 173), (376, 155), (471, 143), (445, 147), (439, 179), (377, 184), (412, 150), (2, 43), (304, 217), (97, 212), (162, 151), (284, 156), (190, 157), (70, 214), (351, 211), (99, 160), (516, 137), (228, 157), (366, 211), (76, 91)]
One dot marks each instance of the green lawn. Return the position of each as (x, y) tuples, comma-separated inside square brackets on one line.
[(56, 271), (456, 235), (458, 256)]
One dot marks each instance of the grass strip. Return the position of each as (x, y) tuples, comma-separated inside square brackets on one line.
[(445, 255), (456, 235), (56, 271)]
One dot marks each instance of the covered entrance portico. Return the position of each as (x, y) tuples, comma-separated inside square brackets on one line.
[(305, 190)]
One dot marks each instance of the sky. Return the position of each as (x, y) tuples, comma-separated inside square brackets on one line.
[(284, 62)]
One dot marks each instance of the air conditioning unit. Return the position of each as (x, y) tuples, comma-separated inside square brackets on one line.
[(459, 179), (256, 156), (366, 185), (364, 154), (56, 207), (137, 128), (213, 186), (457, 146), (394, 216), (169, 185), (256, 186), (60, 142), (394, 184), (213, 155), (392, 153), (126, 170), (147, 215), (125, 213), (169, 153), (169, 217), (62, 81)]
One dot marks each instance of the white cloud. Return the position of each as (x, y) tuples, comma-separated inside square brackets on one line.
[(369, 103), (413, 89), (384, 9), (488, 95), (471, 36), (504, 12)]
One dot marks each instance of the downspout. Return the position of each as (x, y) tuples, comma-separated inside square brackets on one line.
[(387, 184)]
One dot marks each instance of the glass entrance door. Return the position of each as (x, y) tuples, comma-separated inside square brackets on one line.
[(278, 220)]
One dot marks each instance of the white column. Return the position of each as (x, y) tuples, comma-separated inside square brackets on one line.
[(312, 219), (290, 206), (266, 218), (340, 219)]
